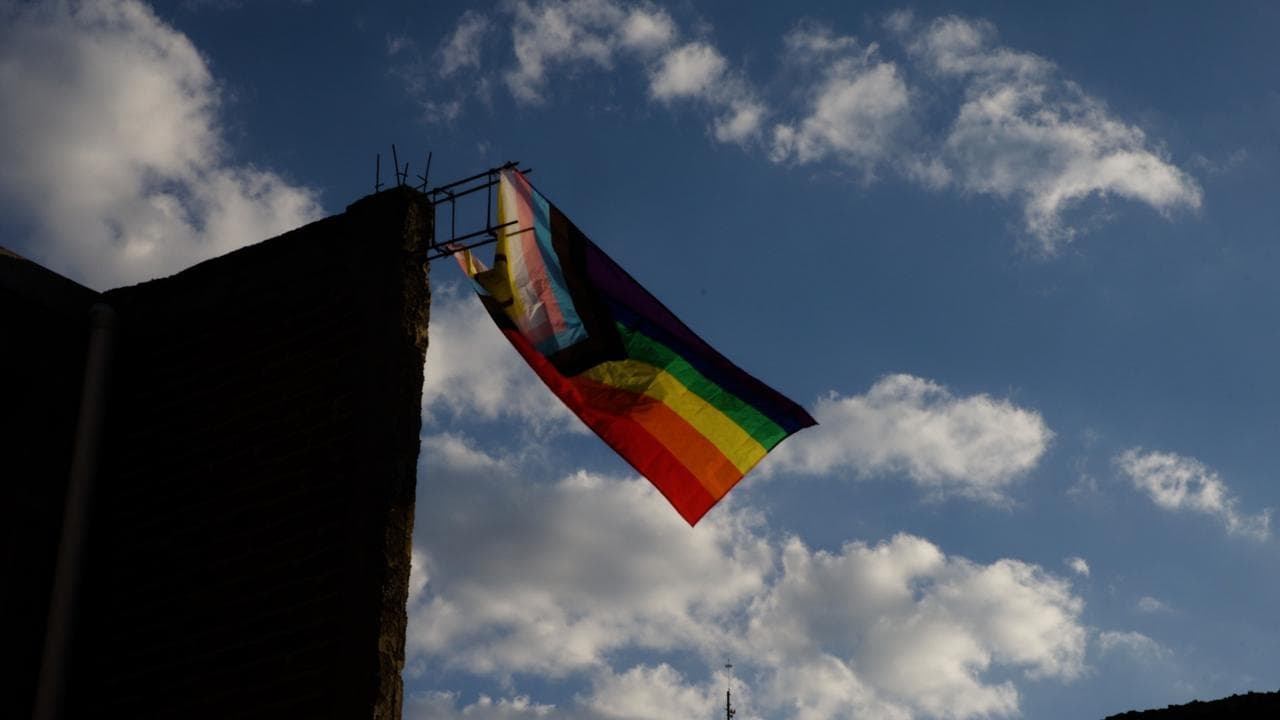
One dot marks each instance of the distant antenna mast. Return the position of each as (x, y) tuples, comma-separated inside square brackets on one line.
[(729, 712)]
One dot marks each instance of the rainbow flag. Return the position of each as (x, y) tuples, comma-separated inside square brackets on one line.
[(685, 417)]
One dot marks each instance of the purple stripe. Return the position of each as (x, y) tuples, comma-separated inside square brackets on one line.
[(619, 288)]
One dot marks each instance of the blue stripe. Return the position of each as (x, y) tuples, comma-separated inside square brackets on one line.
[(574, 330)]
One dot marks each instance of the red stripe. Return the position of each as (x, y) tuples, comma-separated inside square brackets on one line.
[(631, 440), (691, 448)]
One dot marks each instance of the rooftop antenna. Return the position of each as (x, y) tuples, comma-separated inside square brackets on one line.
[(729, 712), (377, 173)]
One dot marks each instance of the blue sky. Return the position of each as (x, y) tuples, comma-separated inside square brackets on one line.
[(1017, 260)]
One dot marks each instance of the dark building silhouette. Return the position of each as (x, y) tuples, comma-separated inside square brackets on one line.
[(1249, 706), (244, 550)]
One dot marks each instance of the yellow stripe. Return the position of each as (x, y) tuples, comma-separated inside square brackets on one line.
[(508, 210), (470, 265), (642, 378)]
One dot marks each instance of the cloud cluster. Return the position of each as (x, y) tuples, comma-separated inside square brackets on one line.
[(568, 34), (561, 579), (956, 109), (857, 109), (111, 149), (1024, 132), (595, 32), (697, 71), (443, 705), (915, 628), (1178, 483), (572, 37), (595, 568), (973, 446), (639, 693)]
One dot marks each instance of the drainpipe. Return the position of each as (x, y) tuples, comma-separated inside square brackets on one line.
[(103, 324)]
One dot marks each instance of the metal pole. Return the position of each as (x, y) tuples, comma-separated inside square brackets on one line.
[(67, 577), (729, 712)]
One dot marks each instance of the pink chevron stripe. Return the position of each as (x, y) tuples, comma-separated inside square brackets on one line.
[(532, 270)]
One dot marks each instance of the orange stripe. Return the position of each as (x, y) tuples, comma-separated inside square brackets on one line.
[(627, 437), (700, 456)]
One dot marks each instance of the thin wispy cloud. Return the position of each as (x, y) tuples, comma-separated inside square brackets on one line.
[(1177, 483), (1148, 604), (1132, 645), (462, 49)]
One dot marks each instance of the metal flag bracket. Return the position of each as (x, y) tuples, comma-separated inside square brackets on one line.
[(449, 194)]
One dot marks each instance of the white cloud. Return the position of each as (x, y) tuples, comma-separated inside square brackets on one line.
[(649, 692), (1134, 645), (1023, 132), (856, 112), (740, 122), (690, 70), (548, 578), (462, 49), (919, 629), (858, 105), (455, 451), (639, 693), (823, 687), (1015, 128), (899, 629), (440, 705), (473, 371), (590, 32), (563, 579), (697, 71), (1148, 604), (569, 36), (1179, 483), (809, 41), (1078, 566), (974, 446), (111, 147), (443, 83), (647, 29)]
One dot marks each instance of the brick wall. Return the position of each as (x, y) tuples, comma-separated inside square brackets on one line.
[(250, 538), (44, 324)]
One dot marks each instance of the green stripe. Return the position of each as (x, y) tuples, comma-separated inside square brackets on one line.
[(645, 349)]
